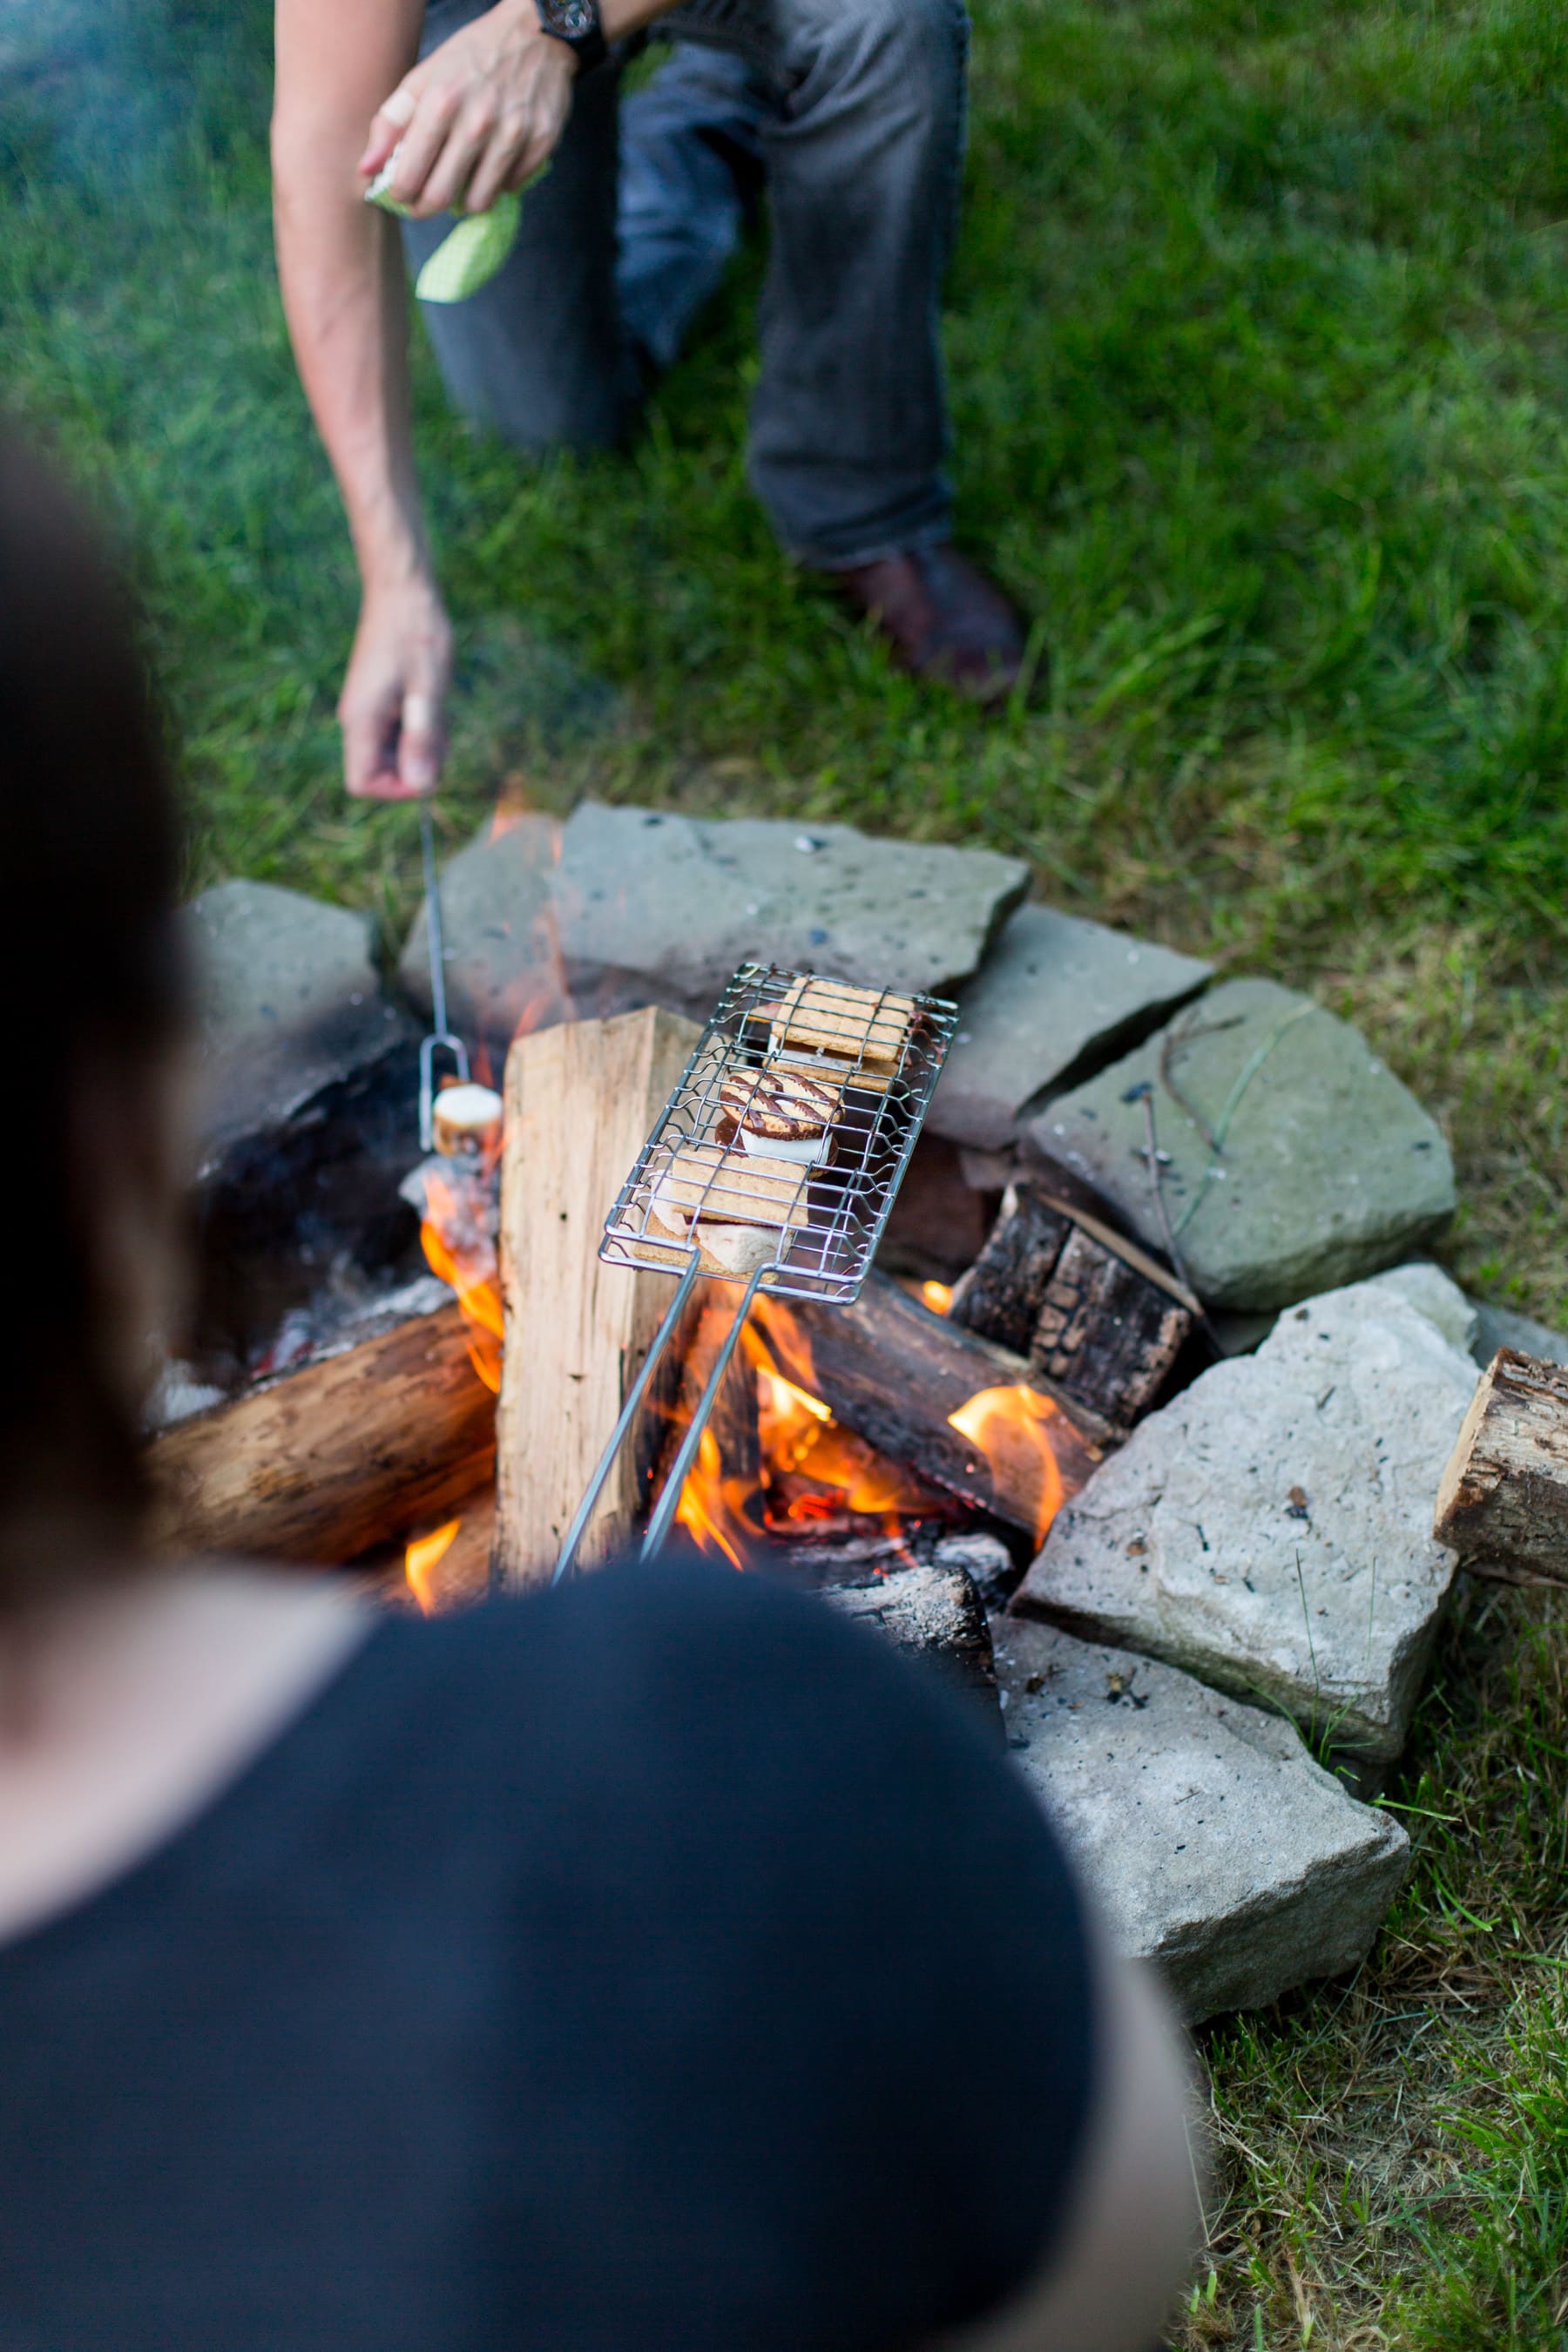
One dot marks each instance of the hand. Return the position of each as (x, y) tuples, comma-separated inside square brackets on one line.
[(482, 113), (392, 707)]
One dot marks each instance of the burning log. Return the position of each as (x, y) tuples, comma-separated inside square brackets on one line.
[(969, 1417), (580, 1100), (334, 1456), (1504, 1495), (1000, 1296), (1090, 1310)]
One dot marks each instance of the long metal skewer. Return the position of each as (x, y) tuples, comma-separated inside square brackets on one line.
[(635, 1395), (441, 1039), (669, 1502)]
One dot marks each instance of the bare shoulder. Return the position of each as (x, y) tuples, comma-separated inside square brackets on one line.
[(132, 1708)]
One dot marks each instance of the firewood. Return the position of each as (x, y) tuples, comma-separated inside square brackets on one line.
[(580, 1102), (334, 1456), (1105, 1333), (1504, 1495), (459, 1578), (1090, 1310), (892, 1371), (1000, 1296)]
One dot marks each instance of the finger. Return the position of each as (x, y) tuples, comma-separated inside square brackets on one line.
[(369, 737), (497, 166), (422, 746), (387, 126), (420, 146), (466, 148)]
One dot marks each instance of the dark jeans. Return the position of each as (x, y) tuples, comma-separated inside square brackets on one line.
[(854, 109)]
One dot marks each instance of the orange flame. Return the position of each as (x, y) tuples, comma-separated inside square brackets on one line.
[(421, 1561), (458, 1248), (937, 1296), (709, 1508), (814, 1473), (1009, 1426)]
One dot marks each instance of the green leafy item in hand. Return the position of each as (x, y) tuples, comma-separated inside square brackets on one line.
[(471, 256)]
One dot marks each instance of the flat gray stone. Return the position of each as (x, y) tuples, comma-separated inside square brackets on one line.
[(1219, 1849), (1500, 1327), (502, 959), (1055, 996), (1329, 1167), (288, 1003), (1270, 1529), (679, 902)]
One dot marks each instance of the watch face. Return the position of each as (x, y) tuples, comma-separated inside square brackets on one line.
[(570, 20)]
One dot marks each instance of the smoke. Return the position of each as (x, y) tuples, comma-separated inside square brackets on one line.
[(105, 98)]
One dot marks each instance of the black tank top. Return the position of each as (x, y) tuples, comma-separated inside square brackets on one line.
[(658, 1963)]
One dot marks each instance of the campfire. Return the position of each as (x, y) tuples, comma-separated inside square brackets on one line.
[(849, 1439)]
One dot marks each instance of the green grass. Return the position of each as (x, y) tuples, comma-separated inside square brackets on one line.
[(1259, 336)]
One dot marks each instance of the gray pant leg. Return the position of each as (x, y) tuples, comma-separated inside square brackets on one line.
[(849, 439), (538, 353)]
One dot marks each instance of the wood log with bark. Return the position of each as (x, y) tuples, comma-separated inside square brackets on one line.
[(1092, 1312), (334, 1456), (1504, 1495), (891, 1370), (580, 1102)]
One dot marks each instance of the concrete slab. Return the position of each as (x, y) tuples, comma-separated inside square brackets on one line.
[(680, 901), (289, 1002), (1317, 1166), (1055, 993), (1219, 1849), (1270, 1529)]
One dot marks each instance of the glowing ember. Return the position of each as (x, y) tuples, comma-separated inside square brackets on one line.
[(458, 1247), (937, 1296), (422, 1559), (1011, 1425)]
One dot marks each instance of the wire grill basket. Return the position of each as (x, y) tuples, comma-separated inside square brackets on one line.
[(806, 1213), (774, 1162)]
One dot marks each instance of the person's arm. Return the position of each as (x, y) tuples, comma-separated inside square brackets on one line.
[(482, 113), (341, 266)]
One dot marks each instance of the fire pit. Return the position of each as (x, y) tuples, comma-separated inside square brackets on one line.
[(1029, 1440)]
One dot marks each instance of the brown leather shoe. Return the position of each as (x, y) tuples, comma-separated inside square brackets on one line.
[(942, 619)]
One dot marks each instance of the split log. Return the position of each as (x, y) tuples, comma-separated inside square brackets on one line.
[(580, 1102), (891, 1370), (1001, 1293), (334, 1456), (1504, 1495), (1105, 1333), (1092, 1312)]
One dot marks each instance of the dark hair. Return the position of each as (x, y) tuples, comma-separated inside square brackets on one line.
[(89, 970)]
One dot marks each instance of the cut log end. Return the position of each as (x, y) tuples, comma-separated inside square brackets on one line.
[(1504, 1494)]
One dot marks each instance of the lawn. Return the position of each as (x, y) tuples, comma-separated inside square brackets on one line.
[(1258, 335)]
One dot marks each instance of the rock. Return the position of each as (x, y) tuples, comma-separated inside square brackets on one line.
[(932, 1610), (289, 1004), (1054, 995), (502, 957), (1500, 1327), (679, 902), (1270, 1529), (1329, 1169), (1218, 1848)]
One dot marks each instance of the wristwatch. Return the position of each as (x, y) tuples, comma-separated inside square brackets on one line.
[(575, 22)]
